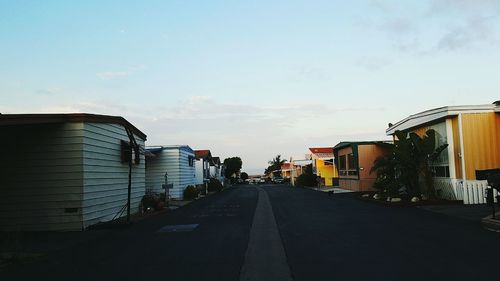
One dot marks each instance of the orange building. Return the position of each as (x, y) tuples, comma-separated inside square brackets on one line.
[(323, 166), (354, 161), (472, 133)]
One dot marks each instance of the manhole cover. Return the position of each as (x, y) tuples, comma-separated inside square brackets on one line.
[(178, 228)]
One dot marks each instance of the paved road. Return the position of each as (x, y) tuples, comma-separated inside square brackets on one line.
[(283, 233)]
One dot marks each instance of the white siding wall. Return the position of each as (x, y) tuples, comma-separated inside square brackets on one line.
[(41, 177), (199, 165), (174, 161), (186, 175), (106, 178)]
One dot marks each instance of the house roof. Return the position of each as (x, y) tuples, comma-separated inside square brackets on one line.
[(203, 154), (159, 148), (345, 144), (285, 166), (302, 162), (28, 119), (435, 114), (322, 152), (316, 150), (216, 160)]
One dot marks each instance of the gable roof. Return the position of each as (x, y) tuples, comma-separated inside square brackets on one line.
[(435, 114), (344, 144), (29, 119), (203, 154), (322, 152), (316, 150), (216, 160), (159, 148)]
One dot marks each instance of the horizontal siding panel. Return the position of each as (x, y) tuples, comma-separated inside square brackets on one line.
[(43, 176), (106, 178), (175, 162)]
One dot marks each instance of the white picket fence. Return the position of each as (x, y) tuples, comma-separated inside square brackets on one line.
[(470, 192)]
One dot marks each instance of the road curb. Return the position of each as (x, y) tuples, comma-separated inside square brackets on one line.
[(490, 223)]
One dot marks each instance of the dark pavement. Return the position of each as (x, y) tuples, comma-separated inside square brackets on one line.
[(323, 237), (213, 251), (343, 238)]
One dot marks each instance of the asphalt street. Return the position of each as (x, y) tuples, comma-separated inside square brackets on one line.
[(278, 233)]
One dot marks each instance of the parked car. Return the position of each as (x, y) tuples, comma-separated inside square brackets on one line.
[(278, 180)]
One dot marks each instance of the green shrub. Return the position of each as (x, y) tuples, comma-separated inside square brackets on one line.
[(153, 201), (214, 185), (307, 178), (191, 192)]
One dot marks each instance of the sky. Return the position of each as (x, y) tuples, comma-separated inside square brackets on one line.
[(249, 78)]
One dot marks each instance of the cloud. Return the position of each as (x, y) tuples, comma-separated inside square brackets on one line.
[(373, 63), (50, 91), (255, 132), (107, 75), (437, 25), (311, 72), (473, 31), (399, 26), (466, 7), (112, 74)]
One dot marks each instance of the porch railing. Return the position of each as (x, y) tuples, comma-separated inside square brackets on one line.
[(470, 192)]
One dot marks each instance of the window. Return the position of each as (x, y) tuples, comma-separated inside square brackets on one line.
[(130, 152), (348, 165), (441, 171), (191, 161), (328, 162), (351, 162), (342, 163)]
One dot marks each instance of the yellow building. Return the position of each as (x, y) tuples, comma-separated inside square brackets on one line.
[(323, 166), (473, 137)]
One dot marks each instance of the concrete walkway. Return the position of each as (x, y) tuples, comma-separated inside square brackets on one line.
[(265, 258)]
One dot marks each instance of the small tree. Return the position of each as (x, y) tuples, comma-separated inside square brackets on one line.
[(385, 182), (232, 166), (191, 192), (244, 176), (214, 185), (307, 178)]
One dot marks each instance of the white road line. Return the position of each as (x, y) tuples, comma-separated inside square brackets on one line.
[(265, 257)]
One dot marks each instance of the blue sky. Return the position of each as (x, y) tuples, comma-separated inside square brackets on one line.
[(249, 78)]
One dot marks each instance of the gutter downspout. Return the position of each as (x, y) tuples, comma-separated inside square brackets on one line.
[(462, 157), (462, 153)]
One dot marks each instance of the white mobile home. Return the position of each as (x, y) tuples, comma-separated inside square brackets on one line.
[(202, 165), (67, 171), (217, 169), (175, 161)]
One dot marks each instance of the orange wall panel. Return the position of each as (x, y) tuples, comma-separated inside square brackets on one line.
[(367, 155), (481, 143)]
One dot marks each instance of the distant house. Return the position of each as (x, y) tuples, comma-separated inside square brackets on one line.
[(286, 170), (297, 168), (354, 161), (217, 169), (323, 165), (472, 133), (172, 165), (68, 171), (202, 166)]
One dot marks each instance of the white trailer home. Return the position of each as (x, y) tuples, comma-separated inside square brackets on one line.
[(217, 169), (177, 162), (68, 171), (202, 165)]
